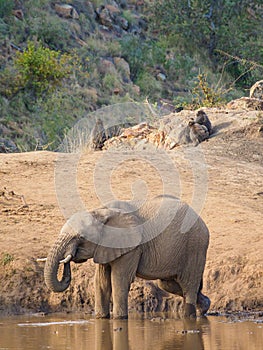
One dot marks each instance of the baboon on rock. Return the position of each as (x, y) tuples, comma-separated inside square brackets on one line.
[(198, 132), (193, 133), (202, 119)]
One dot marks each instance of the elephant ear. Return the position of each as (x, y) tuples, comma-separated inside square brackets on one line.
[(120, 234)]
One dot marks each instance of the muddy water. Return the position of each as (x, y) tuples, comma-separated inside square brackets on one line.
[(78, 332)]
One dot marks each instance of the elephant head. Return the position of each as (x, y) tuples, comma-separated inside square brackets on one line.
[(103, 234)]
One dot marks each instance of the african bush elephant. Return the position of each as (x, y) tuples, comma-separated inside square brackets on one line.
[(160, 239)]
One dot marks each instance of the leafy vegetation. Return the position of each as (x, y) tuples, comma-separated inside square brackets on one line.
[(206, 28), (6, 258), (54, 70), (40, 68)]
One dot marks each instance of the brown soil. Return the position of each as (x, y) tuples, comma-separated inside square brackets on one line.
[(233, 211)]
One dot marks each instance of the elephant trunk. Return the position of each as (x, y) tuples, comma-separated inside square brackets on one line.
[(64, 247)]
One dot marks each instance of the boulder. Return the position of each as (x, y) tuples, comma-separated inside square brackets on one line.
[(122, 22), (256, 91), (106, 66), (161, 77), (105, 17), (7, 146), (18, 14), (246, 103), (123, 67), (66, 11)]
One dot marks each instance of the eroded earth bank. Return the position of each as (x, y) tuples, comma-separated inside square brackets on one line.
[(230, 200)]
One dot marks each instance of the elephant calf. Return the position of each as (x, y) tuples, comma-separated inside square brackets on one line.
[(161, 239)]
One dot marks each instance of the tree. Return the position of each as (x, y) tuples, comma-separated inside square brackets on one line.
[(203, 27)]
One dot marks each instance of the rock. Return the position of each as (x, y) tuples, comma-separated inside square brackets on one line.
[(109, 16), (161, 77), (7, 146), (66, 11), (256, 91), (122, 22), (113, 10), (246, 103), (105, 17), (124, 68), (106, 66), (4, 130), (18, 14)]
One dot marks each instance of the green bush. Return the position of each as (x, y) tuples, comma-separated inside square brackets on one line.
[(6, 259), (142, 54), (54, 33), (42, 69), (204, 95), (149, 86), (201, 28)]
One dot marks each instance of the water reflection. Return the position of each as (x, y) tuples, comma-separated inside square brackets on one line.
[(76, 332), (145, 334)]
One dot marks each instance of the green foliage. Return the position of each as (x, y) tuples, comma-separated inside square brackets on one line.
[(6, 7), (205, 95), (3, 29), (6, 258), (149, 86), (58, 114), (141, 54), (50, 31), (201, 27), (110, 82), (222, 39), (42, 69)]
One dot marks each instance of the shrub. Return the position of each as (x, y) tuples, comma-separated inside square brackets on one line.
[(6, 7), (149, 86), (204, 94), (54, 33), (6, 259), (42, 69)]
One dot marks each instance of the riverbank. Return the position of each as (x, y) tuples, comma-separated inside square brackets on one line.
[(232, 209)]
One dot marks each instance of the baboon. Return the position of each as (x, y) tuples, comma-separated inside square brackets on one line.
[(97, 137), (202, 119), (198, 132), (184, 136), (193, 133)]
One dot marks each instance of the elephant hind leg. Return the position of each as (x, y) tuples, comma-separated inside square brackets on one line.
[(170, 286), (173, 287), (203, 304)]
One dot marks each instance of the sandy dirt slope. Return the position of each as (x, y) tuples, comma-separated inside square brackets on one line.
[(230, 200)]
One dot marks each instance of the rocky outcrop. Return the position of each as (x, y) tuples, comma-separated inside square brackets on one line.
[(66, 11), (117, 67), (7, 146), (248, 103), (256, 91)]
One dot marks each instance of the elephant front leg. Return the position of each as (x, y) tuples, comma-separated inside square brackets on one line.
[(102, 291), (120, 291), (122, 275)]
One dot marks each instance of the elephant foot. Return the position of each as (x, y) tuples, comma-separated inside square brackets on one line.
[(203, 304), (121, 317), (189, 311), (101, 315)]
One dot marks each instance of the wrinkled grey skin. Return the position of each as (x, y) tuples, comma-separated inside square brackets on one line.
[(162, 239)]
